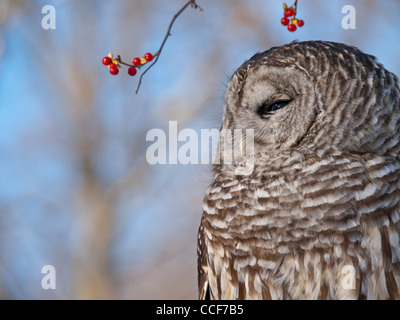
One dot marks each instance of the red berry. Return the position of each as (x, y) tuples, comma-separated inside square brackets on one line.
[(300, 23), (114, 71), (288, 13), (292, 27), (132, 71), (136, 62), (285, 21), (106, 61), (148, 56)]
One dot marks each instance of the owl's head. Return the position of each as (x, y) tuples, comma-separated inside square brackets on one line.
[(315, 96)]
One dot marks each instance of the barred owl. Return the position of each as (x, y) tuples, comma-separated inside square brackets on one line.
[(318, 215)]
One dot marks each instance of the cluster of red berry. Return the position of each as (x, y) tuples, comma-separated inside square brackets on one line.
[(114, 64), (291, 24)]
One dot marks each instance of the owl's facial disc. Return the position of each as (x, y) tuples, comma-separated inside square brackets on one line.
[(278, 103)]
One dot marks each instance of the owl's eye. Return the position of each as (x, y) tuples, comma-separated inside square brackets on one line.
[(277, 105), (268, 108)]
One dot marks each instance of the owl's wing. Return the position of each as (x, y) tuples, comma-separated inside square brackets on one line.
[(202, 267), (379, 206)]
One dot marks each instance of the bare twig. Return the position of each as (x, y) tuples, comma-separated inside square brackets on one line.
[(157, 54)]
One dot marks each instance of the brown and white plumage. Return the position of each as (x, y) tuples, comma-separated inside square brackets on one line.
[(325, 188)]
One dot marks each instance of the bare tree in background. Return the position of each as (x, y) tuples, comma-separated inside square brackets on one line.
[(79, 130)]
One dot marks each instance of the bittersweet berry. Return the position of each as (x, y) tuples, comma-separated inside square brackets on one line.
[(114, 71), (132, 71), (106, 61), (292, 27), (300, 23), (288, 13), (285, 21), (136, 62), (148, 56)]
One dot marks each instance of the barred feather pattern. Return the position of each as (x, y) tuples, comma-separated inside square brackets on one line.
[(323, 196)]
